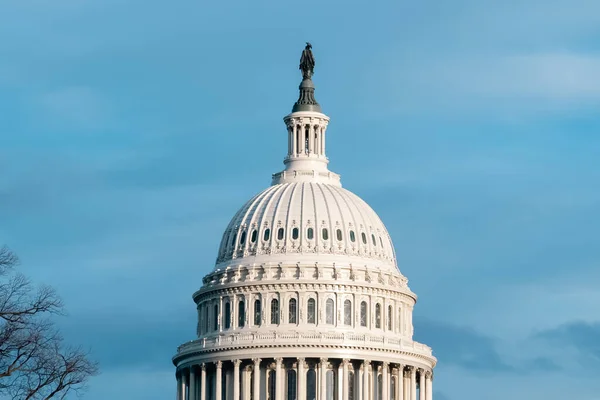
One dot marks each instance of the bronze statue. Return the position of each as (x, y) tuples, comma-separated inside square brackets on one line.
[(307, 62)]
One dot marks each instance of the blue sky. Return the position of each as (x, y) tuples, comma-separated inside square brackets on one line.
[(131, 131)]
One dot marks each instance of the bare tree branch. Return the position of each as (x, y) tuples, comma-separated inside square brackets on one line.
[(34, 362)]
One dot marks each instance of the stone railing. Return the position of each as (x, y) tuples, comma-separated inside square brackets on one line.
[(305, 338)]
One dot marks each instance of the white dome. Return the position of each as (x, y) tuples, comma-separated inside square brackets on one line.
[(301, 219)]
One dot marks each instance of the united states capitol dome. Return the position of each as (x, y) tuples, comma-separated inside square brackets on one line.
[(306, 301)]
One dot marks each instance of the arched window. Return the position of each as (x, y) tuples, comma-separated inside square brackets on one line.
[(378, 316), (241, 313), (338, 233), (350, 385), (311, 384), (295, 233), (311, 311), (227, 315), (266, 234), (325, 234), (243, 238), (257, 312), (280, 234), (329, 311), (275, 311), (374, 241), (363, 313), (292, 311), (389, 318), (347, 312), (310, 233), (253, 236), (291, 385), (271, 385), (364, 237), (352, 237), (216, 318), (330, 385)]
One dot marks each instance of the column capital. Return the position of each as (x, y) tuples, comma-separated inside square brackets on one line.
[(367, 362), (256, 361), (279, 361), (324, 360), (203, 367), (301, 362), (385, 364), (236, 363), (219, 364), (346, 362)]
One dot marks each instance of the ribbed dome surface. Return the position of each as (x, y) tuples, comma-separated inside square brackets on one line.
[(306, 217)]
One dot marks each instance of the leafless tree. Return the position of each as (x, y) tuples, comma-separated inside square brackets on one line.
[(34, 362)]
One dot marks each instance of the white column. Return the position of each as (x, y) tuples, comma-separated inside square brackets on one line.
[(429, 385), (202, 382), (256, 377), (323, 394), (236, 379), (384, 381), (422, 389), (301, 379), (184, 386), (358, 393), (192, 395), (218, 380), (294, 139), (406, 395), (323, 140), (279, 378), (366, 370), (400, 383), (179, 386), (300, 137), (345, 384), (413, 383), (311, 139)]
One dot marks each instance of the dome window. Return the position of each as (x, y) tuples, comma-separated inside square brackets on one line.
[(312, 311), (295, 233), (280, 233), (241, 313), (275, 312), (325, 234), (292, 311), (363, 313), (227, 315), (364, 238), (347, 312), (381, 241), (338, 234), (243, 238), (373, 239), (329, 311), (352, 237), (310, 233), (253, 236), (257, 312), (378, 316), (267, 234)]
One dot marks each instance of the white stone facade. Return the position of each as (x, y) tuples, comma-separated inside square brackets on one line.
[(306, 300)]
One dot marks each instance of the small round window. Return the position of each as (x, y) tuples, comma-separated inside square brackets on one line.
[(267, 234), (253, 236), (364, 238), (352, 237), (310, 233), (280, 234), (295, 233), (325, 234), (338, 234)]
